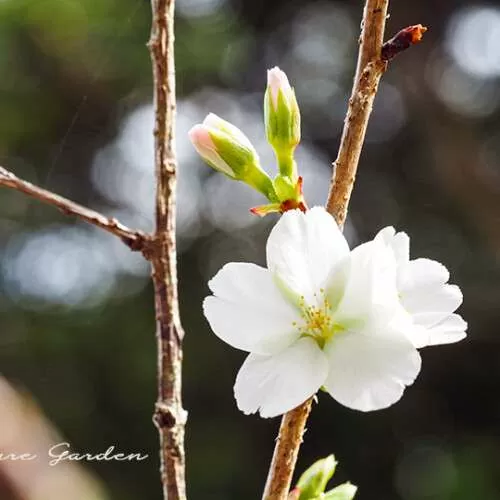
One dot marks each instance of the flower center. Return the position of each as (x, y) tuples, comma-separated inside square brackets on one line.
[(317, 320)]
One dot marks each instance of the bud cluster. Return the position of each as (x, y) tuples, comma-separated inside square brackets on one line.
[(227, 149)]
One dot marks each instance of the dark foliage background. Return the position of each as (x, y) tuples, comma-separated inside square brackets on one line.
[(76, 309)]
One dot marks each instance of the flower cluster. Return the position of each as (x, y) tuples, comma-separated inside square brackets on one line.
[(226, 148), (324, 316)]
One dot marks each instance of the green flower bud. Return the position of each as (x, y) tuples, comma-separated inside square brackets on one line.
[(227, 149), (282, 119), (313, 481), (345, 491)]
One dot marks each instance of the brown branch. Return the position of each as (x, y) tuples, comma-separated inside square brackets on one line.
[(136, 240), (286, 451), (169, 416), (369, 70), (159, 248)]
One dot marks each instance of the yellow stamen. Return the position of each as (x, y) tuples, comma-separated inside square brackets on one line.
[(317, 320)]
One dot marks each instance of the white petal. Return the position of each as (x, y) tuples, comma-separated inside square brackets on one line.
[(277, 384), (216, 122), (248, 311), (421, 273), (370, 291), (336, 282), (418, 335), (369, 372), (432, 299), (398, 242), (386, 235), (303, 248), (450, 330)]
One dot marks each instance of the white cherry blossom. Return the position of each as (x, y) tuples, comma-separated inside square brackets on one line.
[(425, 294), (321, 316)]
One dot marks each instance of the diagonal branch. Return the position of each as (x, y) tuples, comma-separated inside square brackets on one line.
[(369, 70), (136, 240), (169, 416)]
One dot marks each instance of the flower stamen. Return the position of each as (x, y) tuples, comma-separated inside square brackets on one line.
[(318, 321)]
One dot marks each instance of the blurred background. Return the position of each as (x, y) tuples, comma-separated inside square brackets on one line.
[(77, 347)]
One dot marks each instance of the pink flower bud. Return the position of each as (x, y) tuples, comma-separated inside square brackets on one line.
[(201, 139), (276, 81), (282, 119), (203, 143)]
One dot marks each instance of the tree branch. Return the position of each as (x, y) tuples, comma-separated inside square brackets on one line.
[(136, 240), (169, 416), (369, 70), (159, 249), (286, 451)]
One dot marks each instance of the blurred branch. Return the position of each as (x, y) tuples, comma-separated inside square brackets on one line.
[(136, 240), (370, 69), (169, 416)]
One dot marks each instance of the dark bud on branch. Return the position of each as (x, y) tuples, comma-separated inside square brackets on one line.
[(403, 40)]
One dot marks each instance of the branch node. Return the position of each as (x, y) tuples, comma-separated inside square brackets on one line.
[(402, 40), (168, 417)]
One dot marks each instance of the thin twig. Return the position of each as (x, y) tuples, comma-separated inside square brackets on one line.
[(136, 240), (286, 451), (169, 417), (369, 70)]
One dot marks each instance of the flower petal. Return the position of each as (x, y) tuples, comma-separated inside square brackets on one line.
[(432, 299), (434, 330), (451, 329), (369, 372), (248, 311), (370, 286), (420, 273), (398, 242), (216, 122), (276, 384), (303, 248)]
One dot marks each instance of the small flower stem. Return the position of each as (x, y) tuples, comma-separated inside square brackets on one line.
[(370, 69), (286, 452), (368, 73), (261, 182), (286, 164)]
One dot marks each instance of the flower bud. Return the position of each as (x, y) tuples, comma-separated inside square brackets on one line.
[(313, 481), (226, 148), (282, 117), (345, 491)]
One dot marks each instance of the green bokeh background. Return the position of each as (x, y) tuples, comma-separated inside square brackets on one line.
[(72, 71)]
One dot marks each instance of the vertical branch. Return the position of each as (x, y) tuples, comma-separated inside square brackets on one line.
[(169, 415), (370, 69)]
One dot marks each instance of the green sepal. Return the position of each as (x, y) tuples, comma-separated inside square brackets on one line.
[(282, 123), (244, 163), (313, 481), (345, 491)]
